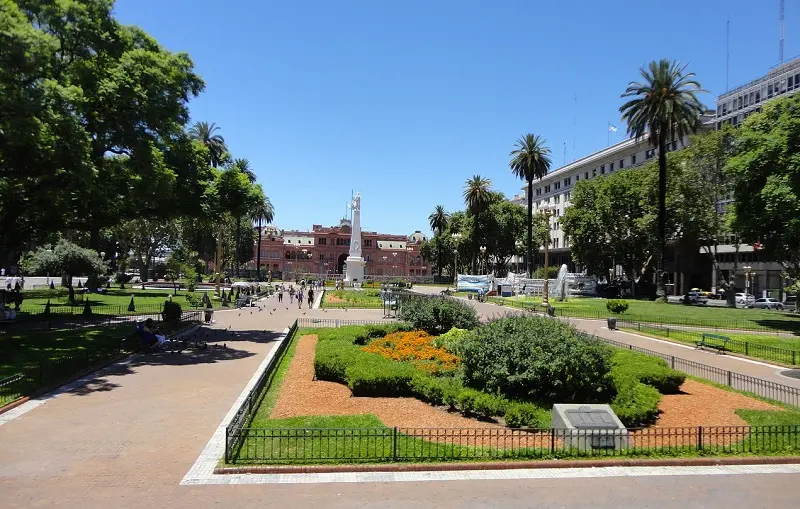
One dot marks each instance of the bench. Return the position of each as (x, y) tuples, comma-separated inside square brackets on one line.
[(720, 348)]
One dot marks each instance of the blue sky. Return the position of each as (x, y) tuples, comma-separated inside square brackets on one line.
[(404, 101)]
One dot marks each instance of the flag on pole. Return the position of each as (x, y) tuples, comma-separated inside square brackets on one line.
[(612, 128)]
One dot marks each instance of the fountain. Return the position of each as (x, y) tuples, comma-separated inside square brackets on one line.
[(559, 289)]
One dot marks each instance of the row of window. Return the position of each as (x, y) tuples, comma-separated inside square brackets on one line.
[(767, 91)]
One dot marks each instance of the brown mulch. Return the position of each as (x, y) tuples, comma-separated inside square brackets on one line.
[(333, 299), (698, 404)]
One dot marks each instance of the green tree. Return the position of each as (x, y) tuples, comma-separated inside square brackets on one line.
[(665, 107), (263, 213), (64, 258), (477, 192), (530, 161), (207, 134), (145, 238), (766, 181), (438, 222)]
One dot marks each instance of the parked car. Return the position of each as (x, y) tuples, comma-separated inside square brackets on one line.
[(697, 297), (745, 300), (767, 303), (790, 303)]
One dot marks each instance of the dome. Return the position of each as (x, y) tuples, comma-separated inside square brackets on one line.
[(417, 237)]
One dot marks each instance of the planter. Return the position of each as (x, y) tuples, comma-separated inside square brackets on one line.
[(612, 323)]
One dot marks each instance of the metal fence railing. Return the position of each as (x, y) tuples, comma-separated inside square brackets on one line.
[(304, 445), (748, 348), (329, 322), (40, 322)]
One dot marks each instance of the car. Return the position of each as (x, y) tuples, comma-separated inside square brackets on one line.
[(696, 297), (745, 300), (767, 303), (790, 303)]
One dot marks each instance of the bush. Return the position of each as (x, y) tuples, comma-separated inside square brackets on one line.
[(435, 390), (172, 311), (537, 358), (636, 404), (525, 415), (648, 370), (372, 375), (451, 340), (369, 332), (437, 315), (617, 306)]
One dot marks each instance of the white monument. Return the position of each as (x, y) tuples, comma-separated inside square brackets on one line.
[(354, 271)]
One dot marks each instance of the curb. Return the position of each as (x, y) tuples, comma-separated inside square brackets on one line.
[(451, 467), (14, 404)]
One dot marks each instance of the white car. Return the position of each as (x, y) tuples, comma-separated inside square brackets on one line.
[(766, 303), (745, 300), (696, 297)]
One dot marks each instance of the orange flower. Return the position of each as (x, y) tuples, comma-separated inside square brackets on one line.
[(415, 347)]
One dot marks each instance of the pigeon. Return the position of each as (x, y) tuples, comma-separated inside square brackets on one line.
[(240, 313), (274, 309)]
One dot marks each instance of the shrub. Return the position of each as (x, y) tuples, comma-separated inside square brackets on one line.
[(435, 390), (451, 340), (331, 361), (172, 311), (370, 332), (536, 358), (479, 404), (375, 376), (648, 370), (616, 306), (636, 404), (437, 315), (525, 415)]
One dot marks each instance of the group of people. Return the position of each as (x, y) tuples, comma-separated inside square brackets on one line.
[(299, 293)]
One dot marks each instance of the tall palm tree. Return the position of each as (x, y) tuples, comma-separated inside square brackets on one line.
[(665, 108), (477, 192), (243, 165), (206, 133), (438, 221), (263, 213), (529, 161)]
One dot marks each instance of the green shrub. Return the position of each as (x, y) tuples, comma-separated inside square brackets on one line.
[(172, 311), (451, 340), (636, 404), (616, 306), (437, 315), (331, 360), (371, 332), (372, 375), (536, 358), (475, 403), (435, 390), (525, 415), (648, 370)]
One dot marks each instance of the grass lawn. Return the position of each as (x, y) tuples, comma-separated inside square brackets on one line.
[(759, 346), (370, 299), (114, 302), (677, 314)]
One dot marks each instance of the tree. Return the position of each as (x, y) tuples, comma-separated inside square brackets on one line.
[(146, 238), (504, 227), (264, 212), (207, 134), (438, 221), (665, 108), (64, 258), (766, 181), (530, 161), (243, 165), (476, 198)]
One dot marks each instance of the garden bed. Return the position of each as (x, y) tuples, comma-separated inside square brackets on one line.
[(366, 299)]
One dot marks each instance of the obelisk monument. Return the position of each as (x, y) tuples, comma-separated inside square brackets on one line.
[(354, 271)]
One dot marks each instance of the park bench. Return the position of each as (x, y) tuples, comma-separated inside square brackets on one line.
[(709, 341)]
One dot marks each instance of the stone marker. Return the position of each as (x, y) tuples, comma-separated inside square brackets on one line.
[(588, 427)]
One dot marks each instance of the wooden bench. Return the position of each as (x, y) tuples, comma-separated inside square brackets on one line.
[(720, 348)]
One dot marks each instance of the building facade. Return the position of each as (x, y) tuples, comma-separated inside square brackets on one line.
[(322, 251)]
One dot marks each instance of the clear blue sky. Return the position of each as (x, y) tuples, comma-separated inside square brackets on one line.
[(403, 101)]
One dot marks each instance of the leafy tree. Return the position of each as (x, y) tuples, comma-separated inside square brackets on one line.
[(438, 222), (146, 238), (766, 181), (64, 258), (530, 161), (207, 134), (263, 212), (665, 107), (477, 192), (503, 229)]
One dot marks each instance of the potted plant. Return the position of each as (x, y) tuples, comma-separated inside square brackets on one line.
[(617, 307)]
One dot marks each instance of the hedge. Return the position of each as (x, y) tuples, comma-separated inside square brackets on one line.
[(437, 315), (648, 370), (636, 404)]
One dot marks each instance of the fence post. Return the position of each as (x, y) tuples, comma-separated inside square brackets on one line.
[(672, 362), (667, 331), (227, 444), (699, 438), (730, 384), (394, 444), (552, 441), (794, 357)]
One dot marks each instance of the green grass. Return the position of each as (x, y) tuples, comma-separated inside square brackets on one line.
[(116, 300), (369, 299), (675, 314), (273, 387), (743, 343)]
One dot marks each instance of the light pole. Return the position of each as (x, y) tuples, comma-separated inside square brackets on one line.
[(483, 257), (456, 236), (747, 275), (547, 210), (519, 246)]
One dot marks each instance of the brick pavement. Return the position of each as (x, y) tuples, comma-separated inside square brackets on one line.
[(127, 438)]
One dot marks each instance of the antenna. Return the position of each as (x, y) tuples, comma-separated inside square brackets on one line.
[(727, 51), (780, 43), (574, 126)]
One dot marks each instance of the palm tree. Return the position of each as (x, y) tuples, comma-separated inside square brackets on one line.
[(243, 165), (205, 132), (477, 191), (264, 212), (665, 108), (529, 161), (438, 221)]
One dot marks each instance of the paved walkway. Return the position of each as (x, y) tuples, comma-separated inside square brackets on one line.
[(127, 438)]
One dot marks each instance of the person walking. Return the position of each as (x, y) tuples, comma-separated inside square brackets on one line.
[(310, 298), (280, 294), (300, 299), (291, 294)]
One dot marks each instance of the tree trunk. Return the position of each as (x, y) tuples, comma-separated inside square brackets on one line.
[(661, 294), (258, 252), (238, 239), (217, 265), (439, 254), (529, 268)]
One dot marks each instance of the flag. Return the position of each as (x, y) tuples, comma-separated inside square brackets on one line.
[(612, 128)]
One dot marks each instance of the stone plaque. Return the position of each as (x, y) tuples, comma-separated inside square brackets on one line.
[(590, 418)]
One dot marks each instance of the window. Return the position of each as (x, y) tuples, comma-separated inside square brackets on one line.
[(556, 198), (586, 175), (539, 191), (633, 159), (568, 181), (555, 243), (557, 186), (547, 188), (650, 153), (594, 172), (577, 177), (368, 243), (321, 256), (567, 195), (740, 103), (790, 82), (769, 91), (621, 163), (322, 241), (611, 167), (289, 241), (602, 169)]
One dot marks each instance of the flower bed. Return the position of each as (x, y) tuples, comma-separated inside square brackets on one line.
[(417, 348)]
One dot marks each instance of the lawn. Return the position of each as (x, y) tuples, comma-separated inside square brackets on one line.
[(370, 299), (759, 346), (676, 314), (114, 302)]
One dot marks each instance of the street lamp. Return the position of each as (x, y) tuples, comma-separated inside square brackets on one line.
[(518, 245), (747, 275), (456, 236), (483, 256), (548, 211)]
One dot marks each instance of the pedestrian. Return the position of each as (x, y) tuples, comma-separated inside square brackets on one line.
[(310, 298), (280, 294), (291, 293), (300, 299)]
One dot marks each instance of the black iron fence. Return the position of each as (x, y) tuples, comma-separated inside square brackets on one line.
[(243, 416), (748, 348), (307, 445), (28, 323), (329, 322)]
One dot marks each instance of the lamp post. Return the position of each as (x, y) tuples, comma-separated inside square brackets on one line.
[(547, 210), (518, 245), (747, 275), (483, 256), (456, 236)]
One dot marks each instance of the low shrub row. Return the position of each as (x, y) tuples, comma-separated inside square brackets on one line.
[(648, 370), (438, 315)]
